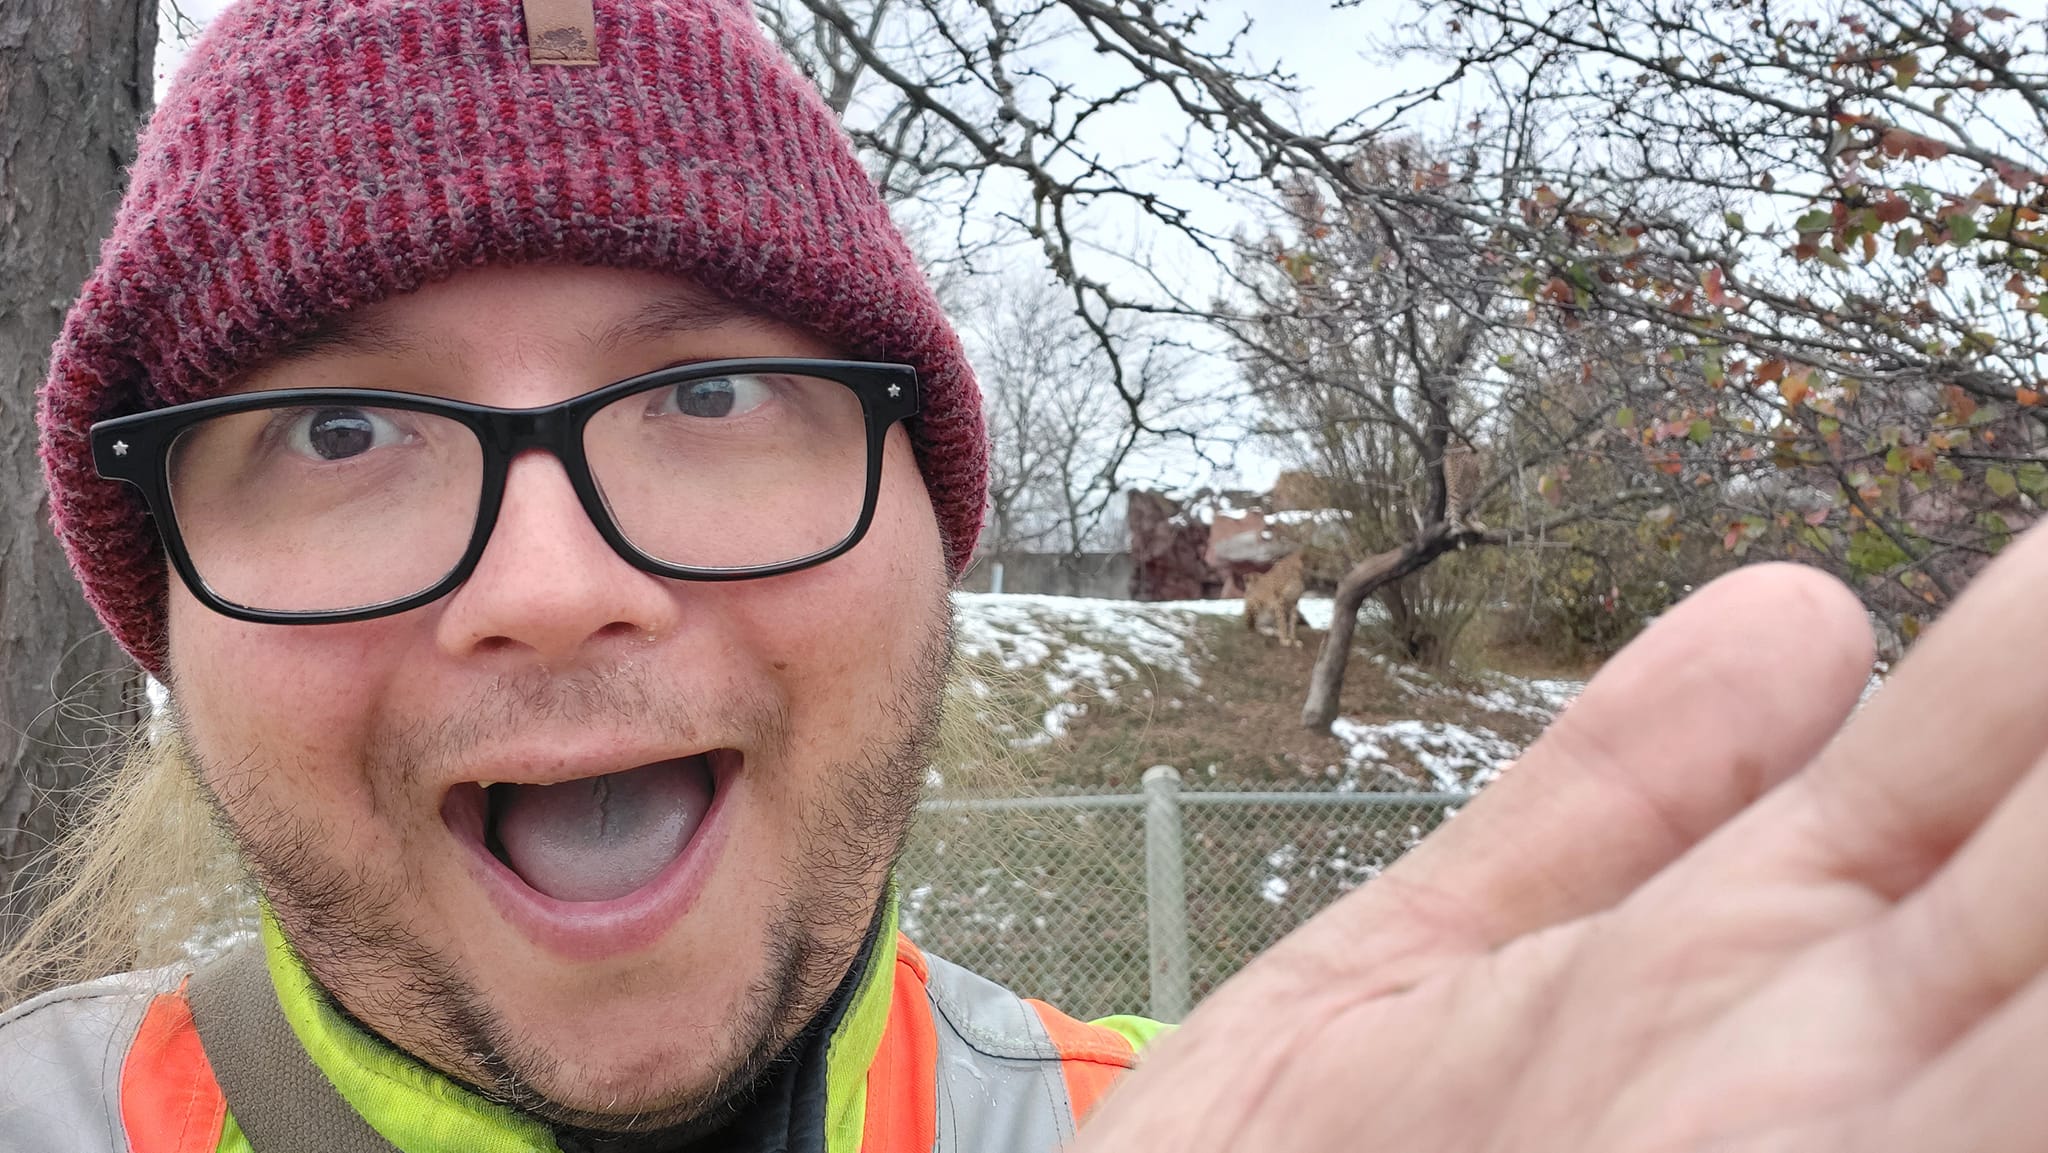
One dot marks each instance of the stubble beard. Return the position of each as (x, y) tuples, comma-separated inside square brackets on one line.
[(348, 927)]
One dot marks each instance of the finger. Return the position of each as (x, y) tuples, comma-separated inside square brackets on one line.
[(1983, 1094), (1933, 753), (1973, 936), (1891, 983), (1724, 697), (1920, 768), (1825, 992)]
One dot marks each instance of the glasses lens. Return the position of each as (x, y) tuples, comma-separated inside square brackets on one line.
[(325, 507), (732, 471)]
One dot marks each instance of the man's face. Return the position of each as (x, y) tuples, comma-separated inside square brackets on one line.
[(776, 725)]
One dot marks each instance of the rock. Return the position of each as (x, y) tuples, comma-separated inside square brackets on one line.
[(1167, 547)]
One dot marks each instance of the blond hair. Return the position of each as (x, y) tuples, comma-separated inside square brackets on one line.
[(144, 877)]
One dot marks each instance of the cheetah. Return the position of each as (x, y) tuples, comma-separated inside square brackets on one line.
[(1277, 590), (1463, 467)]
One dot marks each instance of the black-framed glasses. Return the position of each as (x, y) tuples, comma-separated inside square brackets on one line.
[(314, 506)]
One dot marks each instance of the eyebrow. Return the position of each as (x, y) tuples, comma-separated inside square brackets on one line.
[(675, 313), (346, 332), (667, 315)]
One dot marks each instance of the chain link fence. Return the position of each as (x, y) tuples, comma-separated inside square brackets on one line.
[(1141, 902)]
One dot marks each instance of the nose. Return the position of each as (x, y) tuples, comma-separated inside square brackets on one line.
[(549, 588)]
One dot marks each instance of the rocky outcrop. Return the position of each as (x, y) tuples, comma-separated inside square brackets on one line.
[(1168, 549), (1241, 546)]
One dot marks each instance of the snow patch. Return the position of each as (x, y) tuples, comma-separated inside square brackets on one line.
[(1097, 639), (1317, 611), (1457, 758), (1080, 645), (1085, 647), (1539, 699)]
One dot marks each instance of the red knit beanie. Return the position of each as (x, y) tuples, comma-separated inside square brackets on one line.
[(318, 155)]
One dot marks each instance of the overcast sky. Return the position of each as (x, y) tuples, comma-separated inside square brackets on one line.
[(1327, 48)]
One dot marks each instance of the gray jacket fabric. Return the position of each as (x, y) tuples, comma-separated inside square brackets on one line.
[(60, 1063), (1000, 1088)]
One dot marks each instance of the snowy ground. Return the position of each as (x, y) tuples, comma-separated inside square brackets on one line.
[(1456, 757), (1314, 610), (1111, 647), (1052, 901), (1104, 646), (1094, 636)]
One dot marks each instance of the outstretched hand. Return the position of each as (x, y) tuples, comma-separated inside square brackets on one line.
[(1710, 909)]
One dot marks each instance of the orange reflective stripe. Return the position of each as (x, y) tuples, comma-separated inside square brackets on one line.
[(907, 953), (170, 1102), (903, 1081), (1091, 1057)]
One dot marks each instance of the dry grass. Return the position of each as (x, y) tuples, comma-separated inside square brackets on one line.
[(1241, 726)]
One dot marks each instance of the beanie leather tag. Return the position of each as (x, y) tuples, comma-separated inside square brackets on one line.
[(561, 32)]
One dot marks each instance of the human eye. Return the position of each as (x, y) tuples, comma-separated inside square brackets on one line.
[(714, 398), (340, 432)]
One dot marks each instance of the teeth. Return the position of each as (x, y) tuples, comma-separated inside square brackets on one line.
[(486, 784)]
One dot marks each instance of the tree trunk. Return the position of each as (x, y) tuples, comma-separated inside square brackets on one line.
[(1401, 622), (1326, 683), (75, 83)]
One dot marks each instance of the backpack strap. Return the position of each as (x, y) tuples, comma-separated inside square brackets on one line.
[(280, 1099)]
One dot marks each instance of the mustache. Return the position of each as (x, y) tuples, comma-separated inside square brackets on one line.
[(515, 708)]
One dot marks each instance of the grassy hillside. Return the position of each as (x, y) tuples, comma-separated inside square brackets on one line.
[(1089, 693), (1063, 696)]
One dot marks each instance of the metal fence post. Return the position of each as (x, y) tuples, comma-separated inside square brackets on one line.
[(1166, 899)]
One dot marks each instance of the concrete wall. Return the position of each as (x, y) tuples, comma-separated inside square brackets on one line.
[(1095, 574)]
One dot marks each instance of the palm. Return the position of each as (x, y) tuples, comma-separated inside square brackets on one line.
[(1622, 948)]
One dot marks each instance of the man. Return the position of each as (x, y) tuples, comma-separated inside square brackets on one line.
[(540, 475), (491, 412)]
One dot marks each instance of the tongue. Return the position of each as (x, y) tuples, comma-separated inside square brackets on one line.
[(603, 837)]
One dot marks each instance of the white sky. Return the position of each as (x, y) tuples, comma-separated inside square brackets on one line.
[(1329, 50)]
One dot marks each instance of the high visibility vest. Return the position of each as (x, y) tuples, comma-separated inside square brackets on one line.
[(964, 1066)]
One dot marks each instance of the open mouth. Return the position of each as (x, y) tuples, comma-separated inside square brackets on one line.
[(598, 838)]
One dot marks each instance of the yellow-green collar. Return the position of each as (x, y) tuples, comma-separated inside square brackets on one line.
[(420, 1110)]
